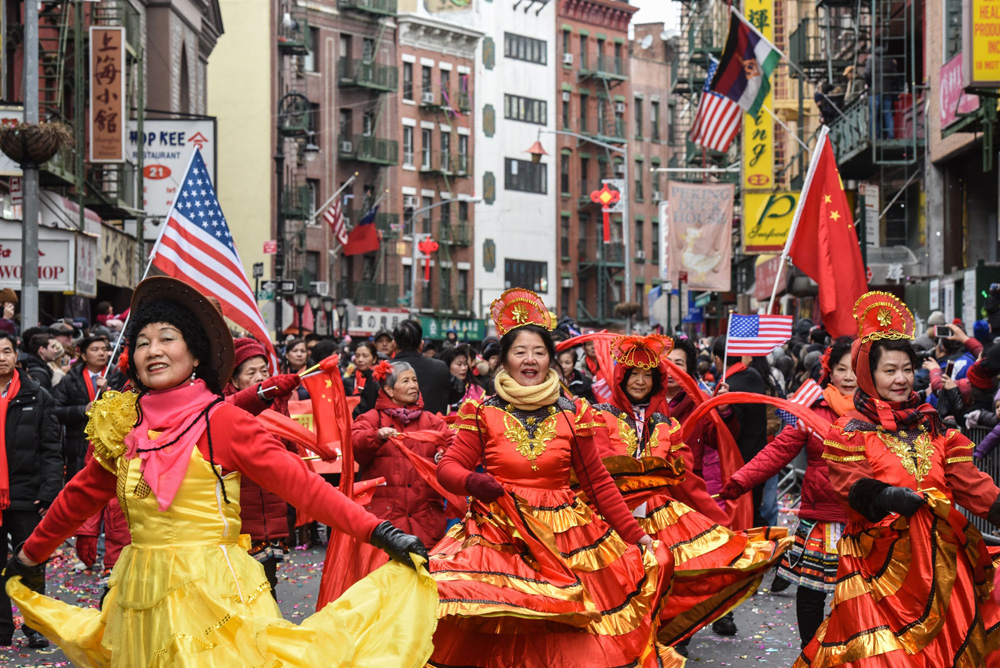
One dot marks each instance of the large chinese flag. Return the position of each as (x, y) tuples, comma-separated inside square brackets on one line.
[(824, 244)]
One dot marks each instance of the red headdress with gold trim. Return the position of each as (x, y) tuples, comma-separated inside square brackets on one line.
[(644, 352), (518, 307), (880, 316)]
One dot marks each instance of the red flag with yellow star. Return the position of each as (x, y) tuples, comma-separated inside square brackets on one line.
[(331, 417), (824, 245)]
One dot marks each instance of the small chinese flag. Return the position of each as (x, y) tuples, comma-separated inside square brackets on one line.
[(331, 417), (824, 244)]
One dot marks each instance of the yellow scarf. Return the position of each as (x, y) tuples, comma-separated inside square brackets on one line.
[(528, 398)]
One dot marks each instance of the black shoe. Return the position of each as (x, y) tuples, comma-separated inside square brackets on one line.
[(779, 584), (6, 641), (35, 639), (725, 626), (682, 648)]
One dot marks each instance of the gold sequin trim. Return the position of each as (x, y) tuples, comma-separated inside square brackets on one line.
[(970, 446), (120, 487), (467, 427), (527, 446), (957, 460), (184, 636), (841, 446), (852, 458), (628, 436), (219, 624), (915, 457), (142, 489), (255, 594)]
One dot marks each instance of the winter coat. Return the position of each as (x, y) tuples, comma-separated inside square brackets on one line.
[(365, 387), (438, 387), (39, 370), (819, 502), (406, 500), (34, 456), (71, 399)]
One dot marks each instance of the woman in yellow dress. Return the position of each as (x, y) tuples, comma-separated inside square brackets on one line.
[(186, 592)]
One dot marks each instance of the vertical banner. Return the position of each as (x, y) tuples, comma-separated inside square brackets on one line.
[(107, 94), (758, 131), (869, 193), (700, 237)]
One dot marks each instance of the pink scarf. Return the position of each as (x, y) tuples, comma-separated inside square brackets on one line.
[(177, 414)]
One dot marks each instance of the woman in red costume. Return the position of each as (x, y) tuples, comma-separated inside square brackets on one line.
[(914, 581), (715, 568), (186, 593), (533, 577), (812, 563)]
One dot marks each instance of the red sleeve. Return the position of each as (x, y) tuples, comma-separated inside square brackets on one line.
[(363, 433), (241, 443), (974, 346), (440, 425), (82, 497), (935, 375), (597, 482), (466, 449), (973, 489), (844, 452), (248, 400), (769, 461)]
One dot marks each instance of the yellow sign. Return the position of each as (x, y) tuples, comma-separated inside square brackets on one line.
[(767, 218), (758, 132), (981, 57)]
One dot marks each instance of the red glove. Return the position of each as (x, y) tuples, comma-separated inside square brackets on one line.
[(276, 387), (86, 550), (731, 490), (484, 487)]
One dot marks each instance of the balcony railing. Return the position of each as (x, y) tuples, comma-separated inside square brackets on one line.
[(861, 137), (369, 294), (296, 202), (119, 13), (364, 74), (611, 253), (112, 189), (446, 162), (611, 66), (368, 149), (386, 223), (294, 36), (381, 7), (811, 43), (456, 234), (610, 129)]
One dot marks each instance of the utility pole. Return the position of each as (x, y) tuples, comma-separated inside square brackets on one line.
[(29, 247)]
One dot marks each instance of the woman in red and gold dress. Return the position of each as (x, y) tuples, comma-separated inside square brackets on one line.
[(715, 569), (914, 581), (533, 577)]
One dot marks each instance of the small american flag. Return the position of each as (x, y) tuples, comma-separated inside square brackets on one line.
[(807, 394), (718, 117), (757, 335), (335, 217), (196, 247)]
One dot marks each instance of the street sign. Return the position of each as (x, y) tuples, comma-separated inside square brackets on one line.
[(258, 269), (268, 286), (682, 276), (703, 299), (270, 247), (288, 286)]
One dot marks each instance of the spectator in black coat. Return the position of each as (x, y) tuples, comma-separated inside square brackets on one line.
[(437, 386), (42, 349), (34, 468), (76, 391)]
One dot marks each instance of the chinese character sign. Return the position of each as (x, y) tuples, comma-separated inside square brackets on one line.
[(758, 131), (107, 94)]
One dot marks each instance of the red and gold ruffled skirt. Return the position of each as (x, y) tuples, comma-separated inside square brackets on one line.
[(536, 579), (911, 593)]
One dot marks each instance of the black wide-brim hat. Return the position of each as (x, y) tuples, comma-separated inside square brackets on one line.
[(220, 340)]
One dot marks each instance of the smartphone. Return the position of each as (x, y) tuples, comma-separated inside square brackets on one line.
[(942, 331), (949, 368)]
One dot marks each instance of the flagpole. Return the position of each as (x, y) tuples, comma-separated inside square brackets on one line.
[(725, 359), (334, 196), (813, 162), (787, 129)]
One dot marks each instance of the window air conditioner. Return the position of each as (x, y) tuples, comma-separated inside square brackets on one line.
[(565, 96), (567, 59), (427, 97), (620, 107), (346, 146), (620, 168), (409, 201), (640, 255), (657, 196)]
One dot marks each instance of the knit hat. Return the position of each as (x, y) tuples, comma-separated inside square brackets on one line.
[(936, 318), (247, 348), (979, 376)]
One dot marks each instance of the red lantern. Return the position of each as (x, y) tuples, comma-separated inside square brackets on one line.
[(605, 198), (427, 246)]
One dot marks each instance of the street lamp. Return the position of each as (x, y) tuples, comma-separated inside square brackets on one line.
[(299, 299), (536, 151), (342, 316), (291, 104), (314, 307), (413, 229), (328, 302)]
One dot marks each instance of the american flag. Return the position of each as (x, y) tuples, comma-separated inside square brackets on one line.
[(718, 117), (807, 394), (195, 246), (335, 217), (757, 335)]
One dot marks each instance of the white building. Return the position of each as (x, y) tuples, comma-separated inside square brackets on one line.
[(515, 231)]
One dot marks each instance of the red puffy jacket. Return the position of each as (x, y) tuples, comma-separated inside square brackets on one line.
[(406, 500), (819, 502)]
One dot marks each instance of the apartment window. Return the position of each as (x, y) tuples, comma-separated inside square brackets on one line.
[(446, 88), (408, 81), (426, 293), (602, 167), (584, 175), (656, 242), (637, 106), (407, 279), (425, 203), (952, 28), (445, 215), (564, 235), (524, 48), (463, 211), (565, 41), (425, 81), (619, 119), (346, 50), (564, 302), (602, 113), (639, 171), (310, 61), (671, 122), (463, 92), (601, 67), (565, 114), (445, 151), (656, 178), (581, 243), (463, 289), (583, 52), (368, 50), (426, 143), (368, 124), (526, 274), (654, 120), (407, 146), (525, 176), (346, 122), (640, 245), (640, 297), (618, 59), (564, 174), (584, 99), (312, 266), (463, 153), (525, 109)]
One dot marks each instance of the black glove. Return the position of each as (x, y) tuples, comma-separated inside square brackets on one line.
[(397, 544), (902, 500), (33, 577)]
